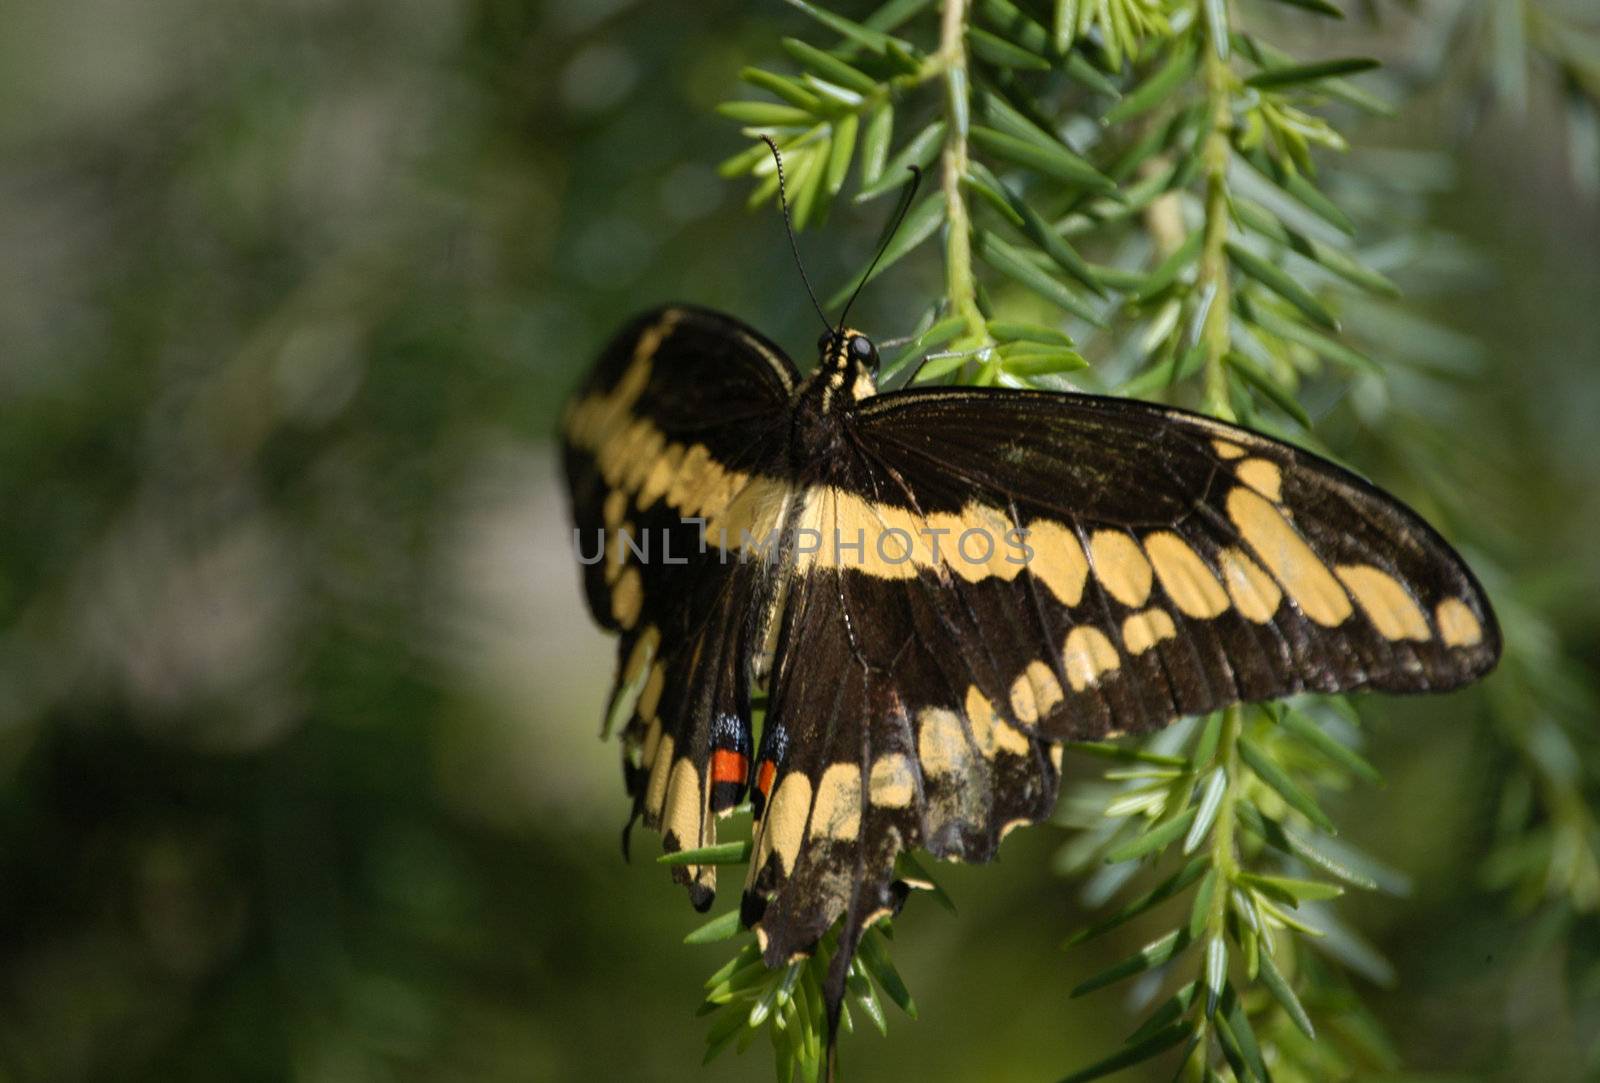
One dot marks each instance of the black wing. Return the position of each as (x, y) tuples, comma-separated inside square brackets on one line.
[(1124, 564), (1219, 565), (684, 417)]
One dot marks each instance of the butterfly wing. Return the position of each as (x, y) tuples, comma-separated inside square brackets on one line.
[(1216, 564), (680, 428), (1102, 566), (874, 743)]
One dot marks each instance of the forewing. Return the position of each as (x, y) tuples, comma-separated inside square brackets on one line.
[(684, 409), (1177, 564)]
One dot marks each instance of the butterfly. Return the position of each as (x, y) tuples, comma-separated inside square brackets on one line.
[(935, 587)]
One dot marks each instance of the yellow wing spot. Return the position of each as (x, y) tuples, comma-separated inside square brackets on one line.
[(1055, 757), (614, 508), (694, 473), (1146, 628), (685, 810), (1287, 556), (1036, 693), (1022, 705), (1392, 611), (1458, 625), (1009, 556), (1007, 738), (587, 420), (1185, 577), (958, 791), (652, 337), (1255, 594), (989, 730), (1058, 561), (1227, 449), (891, 784), (644, 649), (619, 451), (872, 918), (784, 825), (1263, 476), (1047, 692), (635, 457), (978, 543), (631, 387), (655, 791), (842, 530), (941, 742), (650, 698), (980, 716), (702, 487), (717, 491), (627, 598), (600, 416), (1086, 655), (837, 812), (617, 552), (660, 478), (1120, 565), (1010, 826), (652, 743)]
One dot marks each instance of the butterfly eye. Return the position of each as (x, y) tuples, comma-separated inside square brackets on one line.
[(824, 341), (862, 347)]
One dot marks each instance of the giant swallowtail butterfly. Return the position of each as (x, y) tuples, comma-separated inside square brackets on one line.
[(935, 587)]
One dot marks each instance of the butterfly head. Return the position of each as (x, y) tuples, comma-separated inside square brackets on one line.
[(847, 359)]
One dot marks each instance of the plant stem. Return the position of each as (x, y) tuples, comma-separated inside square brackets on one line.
[(961, 288), (1224, 856), (1214, 284), (1224, 864)]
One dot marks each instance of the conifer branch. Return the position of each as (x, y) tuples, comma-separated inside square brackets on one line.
[(1183, 233), (961, 290), (1215, 288)]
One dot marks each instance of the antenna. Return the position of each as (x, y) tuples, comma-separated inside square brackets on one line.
[(907, 194), (783, 201)]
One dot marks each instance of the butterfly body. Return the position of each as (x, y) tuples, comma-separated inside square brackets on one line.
[(934, 588)]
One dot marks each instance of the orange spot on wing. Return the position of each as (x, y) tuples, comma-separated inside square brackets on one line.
[(728, 766), (765, 775)]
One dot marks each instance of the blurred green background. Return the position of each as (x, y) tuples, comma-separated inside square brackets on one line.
[(298, 703)]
